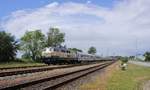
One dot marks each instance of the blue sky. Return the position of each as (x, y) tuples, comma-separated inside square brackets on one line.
[(112, 26), (8, 6)]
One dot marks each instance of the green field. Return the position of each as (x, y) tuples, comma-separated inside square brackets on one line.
[(130, 79), (117, 79)]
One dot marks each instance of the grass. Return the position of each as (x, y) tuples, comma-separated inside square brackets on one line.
[(116, 79), (19, 63), (130, 79)]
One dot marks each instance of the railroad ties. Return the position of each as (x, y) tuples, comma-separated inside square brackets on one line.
[(51, 79)]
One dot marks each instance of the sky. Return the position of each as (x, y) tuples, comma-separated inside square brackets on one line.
[(114, 27)]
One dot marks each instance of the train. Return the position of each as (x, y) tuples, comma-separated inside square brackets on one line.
[(62, 55)]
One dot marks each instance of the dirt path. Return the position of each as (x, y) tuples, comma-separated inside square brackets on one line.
[(146, 85), (99, 81)]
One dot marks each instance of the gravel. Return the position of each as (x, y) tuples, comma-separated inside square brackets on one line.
[(75, 85), (20, 76), (36, 76), (47, 84), (29, 68)]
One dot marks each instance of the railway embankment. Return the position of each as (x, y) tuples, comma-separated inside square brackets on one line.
[(37, 79), (99, 80)]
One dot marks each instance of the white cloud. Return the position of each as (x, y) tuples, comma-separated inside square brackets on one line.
[(88, 2), (114, 30)]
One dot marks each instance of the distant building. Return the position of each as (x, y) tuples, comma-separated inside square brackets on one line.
[(140, 57)]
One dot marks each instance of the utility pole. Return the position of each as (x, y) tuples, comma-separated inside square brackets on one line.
[(136, 47)]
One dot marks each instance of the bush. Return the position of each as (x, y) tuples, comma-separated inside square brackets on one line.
[(147, 56)]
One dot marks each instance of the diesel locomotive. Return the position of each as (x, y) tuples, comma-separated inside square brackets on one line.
[(62, 55)]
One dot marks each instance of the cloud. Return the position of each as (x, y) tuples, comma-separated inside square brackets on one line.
[(88, 2), (110, 30)]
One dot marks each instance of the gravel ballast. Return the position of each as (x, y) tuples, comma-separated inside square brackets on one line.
[(37, 76)]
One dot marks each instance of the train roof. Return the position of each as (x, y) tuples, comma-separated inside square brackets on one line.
[(82, 53)]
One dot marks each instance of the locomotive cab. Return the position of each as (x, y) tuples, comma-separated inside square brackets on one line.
[(58, 55)]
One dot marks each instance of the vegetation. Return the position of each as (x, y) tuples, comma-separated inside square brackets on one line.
[(20, 63), (99, 81), (147, 56), (8, 50), (131, 79), (32, 43), (8, 46), (131, 57), (117, 79), (55, 37), (75, 50), (92, 50), (124, 60)]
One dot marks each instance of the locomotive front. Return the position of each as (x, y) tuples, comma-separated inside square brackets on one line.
[(58, 55)]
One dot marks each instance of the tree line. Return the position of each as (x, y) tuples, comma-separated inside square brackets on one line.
[(31, 44)]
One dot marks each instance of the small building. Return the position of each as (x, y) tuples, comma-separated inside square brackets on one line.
[(140, 57)]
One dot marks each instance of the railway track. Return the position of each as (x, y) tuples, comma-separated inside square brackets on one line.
[(23, 67), (4, 73), (52, 82)]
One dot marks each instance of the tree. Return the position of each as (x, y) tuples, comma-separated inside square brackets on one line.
[(32, 44), (132, 57), (124, 60), (92, 50), (147, 56), (55, 37), (75, 50), (8, 46)]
